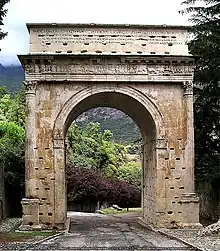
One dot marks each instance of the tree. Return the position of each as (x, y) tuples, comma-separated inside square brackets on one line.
[(90, 185), (12, 142), (89, 147), (3, 13), (205, 46), (130, 172)]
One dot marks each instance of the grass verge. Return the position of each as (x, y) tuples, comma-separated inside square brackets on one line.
[(124, 210), (24, 236)]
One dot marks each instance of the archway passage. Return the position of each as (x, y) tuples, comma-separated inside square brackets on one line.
[(103, 164), (138, 113), (122, 99), (155, 91)]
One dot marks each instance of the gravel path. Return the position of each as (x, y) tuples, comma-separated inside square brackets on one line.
[(105, 232), (8, 224)]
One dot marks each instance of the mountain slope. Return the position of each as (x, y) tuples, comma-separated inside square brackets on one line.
[(12, 77), (123, 127)]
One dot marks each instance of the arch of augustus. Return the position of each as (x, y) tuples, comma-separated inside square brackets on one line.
[(144, 71)]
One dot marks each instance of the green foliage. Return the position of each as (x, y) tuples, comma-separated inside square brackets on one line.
[(3, 91), (12, 109), (205, 46), (12, 151), (12, 137), (130, 172), (89, 147), (3, 13)]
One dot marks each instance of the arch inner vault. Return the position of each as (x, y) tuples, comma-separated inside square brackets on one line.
[(145, 71)]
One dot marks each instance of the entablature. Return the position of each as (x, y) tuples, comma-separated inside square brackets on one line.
[(107, 68)]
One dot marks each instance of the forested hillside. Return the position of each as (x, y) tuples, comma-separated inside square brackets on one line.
[(121, 125), (12, 77)]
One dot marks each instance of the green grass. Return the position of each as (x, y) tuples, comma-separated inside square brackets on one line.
[(20, 236), (124, 210)]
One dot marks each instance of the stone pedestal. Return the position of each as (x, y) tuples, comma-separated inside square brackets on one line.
[(190, 211), (30, 219)]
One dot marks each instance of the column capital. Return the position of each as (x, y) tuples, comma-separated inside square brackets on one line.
[(188, 87), (30, 86), (161, 143), (58, 143)]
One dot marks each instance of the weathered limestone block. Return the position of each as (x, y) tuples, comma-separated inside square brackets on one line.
[(30, 219), (190, 211)]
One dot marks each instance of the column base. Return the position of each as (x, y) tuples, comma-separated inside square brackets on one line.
[(30, 218), (190, 211), (30, 228)]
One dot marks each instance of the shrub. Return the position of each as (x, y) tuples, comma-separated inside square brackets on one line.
[(89, 184)]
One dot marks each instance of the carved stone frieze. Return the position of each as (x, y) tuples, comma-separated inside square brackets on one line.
[(108, 67)]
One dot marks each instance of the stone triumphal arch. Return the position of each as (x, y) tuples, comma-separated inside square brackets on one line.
[(145, 71)]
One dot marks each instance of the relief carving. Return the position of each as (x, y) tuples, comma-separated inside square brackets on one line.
[(161, 144), (188, 88), (59, 143), (108, 67), (30, 87)]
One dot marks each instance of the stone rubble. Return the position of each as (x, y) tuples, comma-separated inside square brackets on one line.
[(193, 237), (211, 229), (9, 224)]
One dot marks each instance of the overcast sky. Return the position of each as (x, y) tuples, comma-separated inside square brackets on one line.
[(21, 12)]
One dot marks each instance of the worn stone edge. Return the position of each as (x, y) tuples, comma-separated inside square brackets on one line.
[(47, 238), (150, 227), (66, 231)]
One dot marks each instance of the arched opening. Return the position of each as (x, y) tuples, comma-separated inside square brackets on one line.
[(137, 109), (103, 164)]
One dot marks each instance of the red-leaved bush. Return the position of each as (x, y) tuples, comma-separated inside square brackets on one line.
[(89, 185)]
